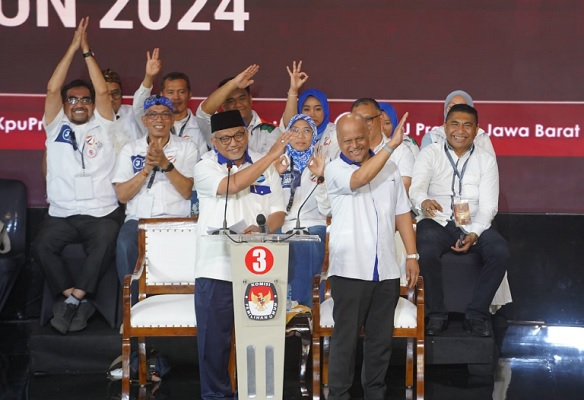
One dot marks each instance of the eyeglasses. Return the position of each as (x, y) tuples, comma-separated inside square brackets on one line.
[(116, 94), (166, 115), (369, 120), (74, 100), (303, 132), (225, 140)]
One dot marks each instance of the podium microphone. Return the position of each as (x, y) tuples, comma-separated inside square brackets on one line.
[(224, 230), (261, 221), (298, 230)]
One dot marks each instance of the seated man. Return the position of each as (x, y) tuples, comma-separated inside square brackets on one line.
[(83, 207), (235, 94), (154, 176), (445, 173), (125, 127), (254, 188)]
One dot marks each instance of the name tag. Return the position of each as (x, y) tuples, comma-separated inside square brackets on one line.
[(83, 187)]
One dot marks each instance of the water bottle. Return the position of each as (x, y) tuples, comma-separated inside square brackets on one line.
[(289, 299)]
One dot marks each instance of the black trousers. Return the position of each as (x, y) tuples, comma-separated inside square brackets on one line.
[(98, 236), (433, 240), (370, 305)]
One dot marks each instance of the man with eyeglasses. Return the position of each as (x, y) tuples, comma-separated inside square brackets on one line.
[(235, 94), (153, 177), (177, 87), (83, 207), (447, 173), (125, 127), (254, 188), (402, 155)]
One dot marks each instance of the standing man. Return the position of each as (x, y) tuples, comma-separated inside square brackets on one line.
[(254, 188), (83, 207), (125, 128), (402, 155), (235, 94), (443, 173), (153, 177), (177, 87), (368, 203)]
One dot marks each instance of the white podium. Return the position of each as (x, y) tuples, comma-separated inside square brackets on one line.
[(260, 283)]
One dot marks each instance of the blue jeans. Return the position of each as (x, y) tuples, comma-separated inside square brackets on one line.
[(304, 261), (127, 253)]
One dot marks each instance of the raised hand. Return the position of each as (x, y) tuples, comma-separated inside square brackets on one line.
[(153, 62), (279, 146), (243, 79), (398, 133), (281, 164), (78, 37), (297, 77), (316, 162)]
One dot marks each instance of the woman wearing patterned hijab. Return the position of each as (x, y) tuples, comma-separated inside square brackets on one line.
[(437, 135), (300, 167), (314, 103)]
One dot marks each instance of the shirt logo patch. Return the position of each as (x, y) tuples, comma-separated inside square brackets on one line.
[(138, 163), (64, 135), (260, 189)]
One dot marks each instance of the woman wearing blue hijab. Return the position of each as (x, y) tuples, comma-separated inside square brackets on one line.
[(389, 121), (299, 168), (314, 103)]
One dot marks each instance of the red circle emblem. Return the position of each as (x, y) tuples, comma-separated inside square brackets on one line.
[(259, 260)]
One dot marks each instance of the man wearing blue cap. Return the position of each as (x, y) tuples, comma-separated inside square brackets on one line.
[(254, 188), (153, 177)]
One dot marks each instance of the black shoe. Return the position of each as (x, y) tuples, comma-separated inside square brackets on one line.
[(477, 327), (84, 312), (435, 326), (63, 314)]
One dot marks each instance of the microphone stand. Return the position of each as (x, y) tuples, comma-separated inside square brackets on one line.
[(298, 230)]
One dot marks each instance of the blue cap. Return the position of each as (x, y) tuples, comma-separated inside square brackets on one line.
[(158, 100)]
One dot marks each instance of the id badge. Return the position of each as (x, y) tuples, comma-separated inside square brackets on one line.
[(83, 187), (145, 204), (461, 212)]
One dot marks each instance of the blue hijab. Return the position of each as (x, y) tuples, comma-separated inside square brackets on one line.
[(300, 157), (321, 97), (390, 111)]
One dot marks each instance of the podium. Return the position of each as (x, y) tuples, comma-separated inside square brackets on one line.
[(260, 285)]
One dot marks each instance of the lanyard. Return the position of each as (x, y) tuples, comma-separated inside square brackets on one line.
[(182, 128), (76, 149), (457, 173), (293, 185)]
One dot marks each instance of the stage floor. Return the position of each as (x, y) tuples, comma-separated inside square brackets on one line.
[(536, 362)]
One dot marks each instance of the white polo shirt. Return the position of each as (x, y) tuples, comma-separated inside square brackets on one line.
[(186, 127), (264, 196), (64, 163), (316, 208), (125, 127), (361, 243), (167, 201)]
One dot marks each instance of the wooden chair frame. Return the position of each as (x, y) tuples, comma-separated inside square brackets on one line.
[(321, 336)]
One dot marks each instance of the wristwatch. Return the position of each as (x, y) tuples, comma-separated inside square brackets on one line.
[(88, 54), (169, 168), (414, 256)]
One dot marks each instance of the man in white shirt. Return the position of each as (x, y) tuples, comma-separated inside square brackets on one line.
[(235, 94), (83, 207), (458, 171), (153, 177), (402, 155), (368, 203), (125, 127), (254, 188)]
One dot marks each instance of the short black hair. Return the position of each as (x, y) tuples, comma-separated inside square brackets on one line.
[(111, 77), (77, 83), (465, 108), (172, 76), (363, 101), (224, 81)]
